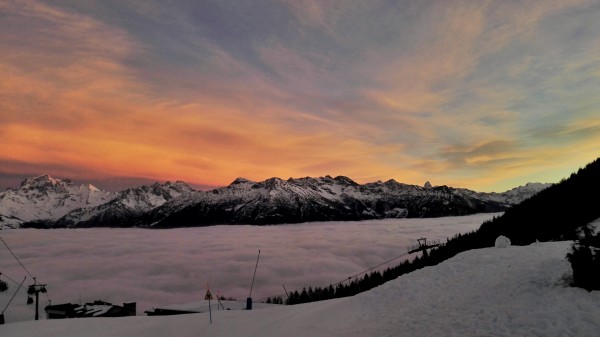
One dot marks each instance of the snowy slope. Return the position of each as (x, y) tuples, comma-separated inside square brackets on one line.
[(514, 291), (44, 197)]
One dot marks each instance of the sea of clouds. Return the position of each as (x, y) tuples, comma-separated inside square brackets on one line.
[(156, 268)]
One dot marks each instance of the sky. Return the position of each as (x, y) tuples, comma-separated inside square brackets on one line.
[(156, 268), (486, 95)]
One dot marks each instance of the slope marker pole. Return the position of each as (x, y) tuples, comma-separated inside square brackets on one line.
[(249, 299)]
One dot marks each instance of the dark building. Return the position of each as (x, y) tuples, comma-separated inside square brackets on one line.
[(168, 312), (95, 309)]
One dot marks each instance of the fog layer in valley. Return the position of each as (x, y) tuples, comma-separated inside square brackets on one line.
[(159, 267)]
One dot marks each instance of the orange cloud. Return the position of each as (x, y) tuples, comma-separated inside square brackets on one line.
[(415, 106)]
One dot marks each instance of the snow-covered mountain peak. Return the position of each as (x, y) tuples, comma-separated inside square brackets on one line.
[(47, 185), (533, 186), (518, 194), (345, 181), (43, 182), (153, 195), (513, 196), (427, 185), (127, 205), (47, 198), (274, 181), (241, 180), (40, 181), (178, 184)]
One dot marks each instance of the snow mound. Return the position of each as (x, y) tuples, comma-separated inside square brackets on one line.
[(502, 242)]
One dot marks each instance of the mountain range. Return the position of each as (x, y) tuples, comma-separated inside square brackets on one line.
[(46, 202)]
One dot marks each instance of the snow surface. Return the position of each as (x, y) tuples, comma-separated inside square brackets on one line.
[(516, 291)]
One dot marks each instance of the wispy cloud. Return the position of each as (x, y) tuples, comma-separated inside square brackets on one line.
[(207, 92)]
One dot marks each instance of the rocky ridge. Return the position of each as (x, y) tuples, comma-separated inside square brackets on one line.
[(45, 202)]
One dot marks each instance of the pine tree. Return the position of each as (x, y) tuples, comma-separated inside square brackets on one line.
[(585, 262), (3, 286), (303, 296)]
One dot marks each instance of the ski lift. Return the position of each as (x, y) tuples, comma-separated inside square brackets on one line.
[(423, 246), (35, 289)]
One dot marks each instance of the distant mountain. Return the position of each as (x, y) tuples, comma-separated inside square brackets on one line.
[(511, 197), (45, 202), (276, 201), (44, 197), (125, 208)]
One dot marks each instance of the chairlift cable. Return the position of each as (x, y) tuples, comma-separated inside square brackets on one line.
[(369, 269), (15, 256), (379, 265), (24, 268), (13, 296), (2, 274), (422, 247)]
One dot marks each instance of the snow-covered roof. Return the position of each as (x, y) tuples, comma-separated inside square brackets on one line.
[(93, 310)]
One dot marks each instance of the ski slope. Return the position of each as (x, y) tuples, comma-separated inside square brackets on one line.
[(514, 291)]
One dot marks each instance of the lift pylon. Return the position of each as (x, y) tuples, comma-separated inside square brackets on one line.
[(423, 246)]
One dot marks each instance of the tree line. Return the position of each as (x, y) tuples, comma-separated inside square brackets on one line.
[(367, 281)]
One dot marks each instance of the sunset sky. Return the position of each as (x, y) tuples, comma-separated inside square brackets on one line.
[(486, 95)]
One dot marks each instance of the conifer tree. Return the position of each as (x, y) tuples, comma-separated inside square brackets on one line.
[(3, 286)]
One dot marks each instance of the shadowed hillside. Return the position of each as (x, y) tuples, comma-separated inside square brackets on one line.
[(552, 214)]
